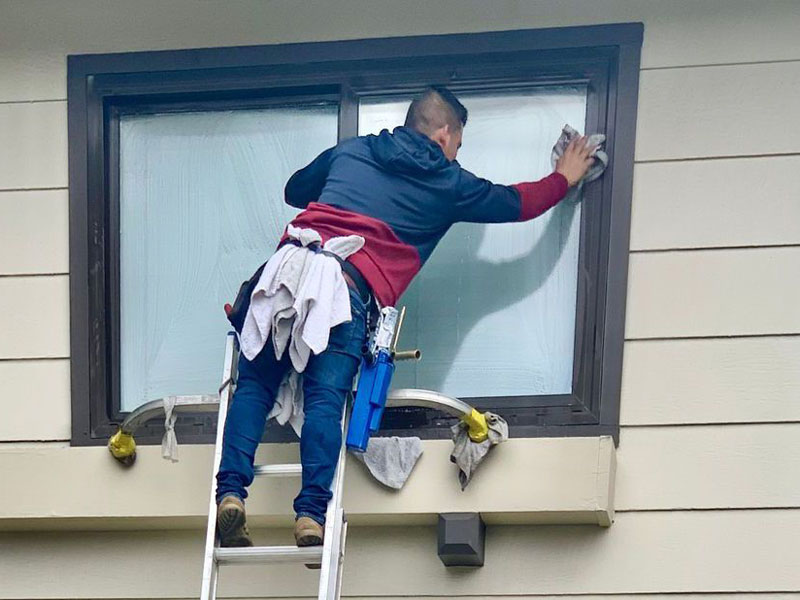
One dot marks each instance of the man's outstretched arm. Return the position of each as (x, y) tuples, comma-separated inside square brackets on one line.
[(306, 184), (481, 201), (539, 197)]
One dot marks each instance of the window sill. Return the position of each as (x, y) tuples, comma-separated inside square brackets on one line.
[(526, 480)]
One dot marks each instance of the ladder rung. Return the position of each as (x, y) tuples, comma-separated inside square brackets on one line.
[(268, 554), (279, 470)]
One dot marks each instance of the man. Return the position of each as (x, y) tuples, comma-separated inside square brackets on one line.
[(401, 192)]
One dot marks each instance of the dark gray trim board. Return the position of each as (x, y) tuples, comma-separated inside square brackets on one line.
[(102, 87)]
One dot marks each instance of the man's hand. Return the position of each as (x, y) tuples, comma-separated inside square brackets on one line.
[(576, 160)]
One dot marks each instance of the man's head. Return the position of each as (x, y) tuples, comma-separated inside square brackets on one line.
[(437, 113)]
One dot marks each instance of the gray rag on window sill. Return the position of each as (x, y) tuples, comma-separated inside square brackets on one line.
[(468, 454), (390, 460)]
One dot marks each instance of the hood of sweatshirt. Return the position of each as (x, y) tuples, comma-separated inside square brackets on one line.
[(407, 151)]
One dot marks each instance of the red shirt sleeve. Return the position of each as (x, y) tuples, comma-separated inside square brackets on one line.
[(538, 197)]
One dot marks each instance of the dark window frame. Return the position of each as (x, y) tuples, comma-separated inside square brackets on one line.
[(102, 87)]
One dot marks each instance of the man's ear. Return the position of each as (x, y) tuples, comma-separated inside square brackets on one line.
[(441, 136)]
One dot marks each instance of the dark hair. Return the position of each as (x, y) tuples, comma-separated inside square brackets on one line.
[(434, 108)]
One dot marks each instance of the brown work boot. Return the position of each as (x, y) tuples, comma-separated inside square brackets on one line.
[(307, 532), (231, 527)]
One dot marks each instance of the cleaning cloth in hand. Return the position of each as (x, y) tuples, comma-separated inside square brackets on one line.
[(468, 454), (600, 157)]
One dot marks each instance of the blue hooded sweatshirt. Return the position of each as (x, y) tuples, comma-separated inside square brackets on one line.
[(399, 191)]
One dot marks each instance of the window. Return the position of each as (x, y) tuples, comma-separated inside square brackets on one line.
[(177, 166)]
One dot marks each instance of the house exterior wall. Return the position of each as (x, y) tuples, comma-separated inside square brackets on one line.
[(707, 499)]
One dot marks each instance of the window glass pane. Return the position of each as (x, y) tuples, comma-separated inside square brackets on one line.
[(493, 310), (201, 206)]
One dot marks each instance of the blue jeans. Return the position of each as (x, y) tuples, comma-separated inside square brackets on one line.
[(327, 380)]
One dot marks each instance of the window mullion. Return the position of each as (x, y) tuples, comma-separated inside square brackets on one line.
[(348, 112)]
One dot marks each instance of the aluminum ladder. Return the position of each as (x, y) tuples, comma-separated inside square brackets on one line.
[(329, 557)]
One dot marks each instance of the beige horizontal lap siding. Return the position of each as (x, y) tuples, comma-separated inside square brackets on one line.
[(717, 380), (643, 553), (34, 317), (710, 380), (34, 232), (712, 466), (716, 203), (718, 111), (704, 263), (34, 363), (33, 145), (35, 400), (678, 33), (714, 293), (34, 261)]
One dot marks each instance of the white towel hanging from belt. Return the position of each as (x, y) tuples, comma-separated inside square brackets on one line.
[(300, 296)]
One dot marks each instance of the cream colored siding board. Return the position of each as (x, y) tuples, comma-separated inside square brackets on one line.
[(34, 317), (714, 293), (735, 110), (33, 152), (736, 466), (35, 37), (34, 400), (735, 380), (577, 472), (34, 232), (28, 74), (727, 202), (675, 552)]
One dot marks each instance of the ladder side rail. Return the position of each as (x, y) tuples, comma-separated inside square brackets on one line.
[(340, 566), (334, 521), (208, 590), (329, 580)]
